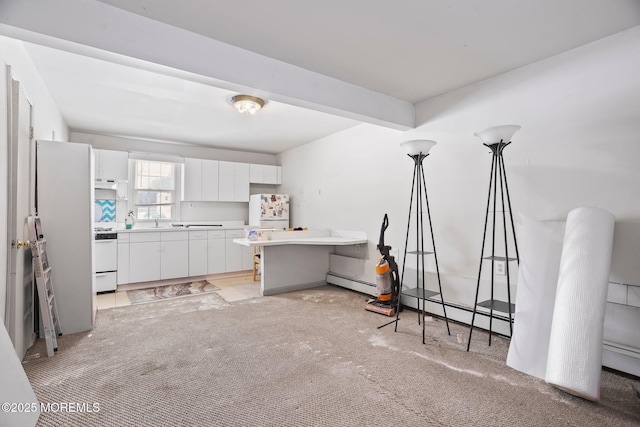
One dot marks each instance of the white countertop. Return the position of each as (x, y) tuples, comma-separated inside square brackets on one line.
[(185, 226), (310, 237)]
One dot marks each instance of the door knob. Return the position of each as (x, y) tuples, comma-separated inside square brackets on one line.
[(22, 244)]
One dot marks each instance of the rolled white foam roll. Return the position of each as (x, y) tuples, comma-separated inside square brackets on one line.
[(574, 362), (540, 249)]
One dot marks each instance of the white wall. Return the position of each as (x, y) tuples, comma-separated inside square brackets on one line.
[(48, 124), (579, 145)]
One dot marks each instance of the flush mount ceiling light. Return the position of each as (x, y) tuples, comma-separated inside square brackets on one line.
[(247, 104)]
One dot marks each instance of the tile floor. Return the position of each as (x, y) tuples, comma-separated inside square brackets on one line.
[(231, 289)]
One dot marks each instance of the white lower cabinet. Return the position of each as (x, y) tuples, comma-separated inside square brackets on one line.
[(247, 258), (216, 252), (198, 253), (159, 255), (233, 251), (123, 258), (144, 260), (174, 259), (174, 254)]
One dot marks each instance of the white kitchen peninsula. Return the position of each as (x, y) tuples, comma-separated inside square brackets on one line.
[(293, 260)]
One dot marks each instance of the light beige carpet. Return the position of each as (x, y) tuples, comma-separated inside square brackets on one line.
[(170, 291), (307, 358)]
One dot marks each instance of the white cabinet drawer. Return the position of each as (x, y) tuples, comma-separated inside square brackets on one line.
[(123, 237), (198, 235), (144, 237), (105, 255), (236, 234), (216, 234), (106, 282), (171, 236)]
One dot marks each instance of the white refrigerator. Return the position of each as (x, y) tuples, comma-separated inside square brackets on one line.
[(269, 211), (65, 204)]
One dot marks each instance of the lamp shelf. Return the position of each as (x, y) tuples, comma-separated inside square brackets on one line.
[(417, 293), (499, 258), (497, 305), (420, 252)]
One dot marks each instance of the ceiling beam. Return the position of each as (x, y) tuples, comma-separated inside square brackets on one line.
[(92, 28)]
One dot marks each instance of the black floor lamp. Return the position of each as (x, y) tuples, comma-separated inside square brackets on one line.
[(497, 138), (418, 150)]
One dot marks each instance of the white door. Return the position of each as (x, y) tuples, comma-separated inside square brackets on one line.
[(19, 317)]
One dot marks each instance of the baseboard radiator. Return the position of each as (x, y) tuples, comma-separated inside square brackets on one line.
[(616, 356), (455, 312)]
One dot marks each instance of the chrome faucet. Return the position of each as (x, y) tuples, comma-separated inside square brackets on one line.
[(156, 220)]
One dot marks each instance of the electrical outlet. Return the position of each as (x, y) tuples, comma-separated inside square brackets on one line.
[(501, 268)]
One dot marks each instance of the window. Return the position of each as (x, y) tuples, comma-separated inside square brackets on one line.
[(154, 190)]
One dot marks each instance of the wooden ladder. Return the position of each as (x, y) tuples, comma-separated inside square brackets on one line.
[(42, 271)]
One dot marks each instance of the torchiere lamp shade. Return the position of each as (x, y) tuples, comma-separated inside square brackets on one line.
[(496, 134), (417, 146)]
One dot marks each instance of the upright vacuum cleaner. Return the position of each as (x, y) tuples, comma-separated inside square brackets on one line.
[(387, 279)]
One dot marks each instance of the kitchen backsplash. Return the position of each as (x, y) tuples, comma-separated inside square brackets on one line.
[(203, 211), (105, 210)]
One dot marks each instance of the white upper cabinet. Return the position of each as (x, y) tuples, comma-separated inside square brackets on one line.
[(265, 174), (256, 174), (192, 180), (226, 176), (112, 164), (241, 182), (210, 180), (200, 180), (233, 182)]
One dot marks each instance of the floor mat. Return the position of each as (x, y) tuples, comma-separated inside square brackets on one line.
[(170, 291)]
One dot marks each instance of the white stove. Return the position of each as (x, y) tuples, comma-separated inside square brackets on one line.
[(105, 241)]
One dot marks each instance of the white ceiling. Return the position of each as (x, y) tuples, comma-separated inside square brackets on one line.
[(407, 50), (97, 96)]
